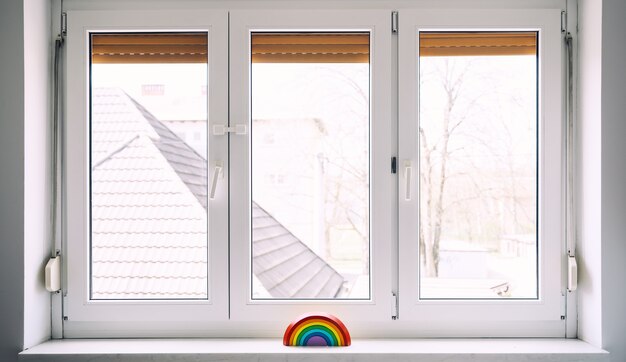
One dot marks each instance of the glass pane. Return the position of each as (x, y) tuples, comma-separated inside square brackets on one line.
[(148, 156), (310, 166), (478, 165)]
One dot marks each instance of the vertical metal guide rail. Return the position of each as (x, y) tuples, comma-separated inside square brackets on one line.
[(570, 232), (53, 267)]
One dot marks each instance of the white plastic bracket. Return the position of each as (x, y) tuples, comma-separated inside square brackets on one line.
[(53, 274), (394, 306), (221, 129)]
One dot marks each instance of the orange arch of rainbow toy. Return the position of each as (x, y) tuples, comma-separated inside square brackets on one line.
[(317, 330)]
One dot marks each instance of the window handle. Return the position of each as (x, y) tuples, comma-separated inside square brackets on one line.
[(408, 170), (217, 172), (572, 273)]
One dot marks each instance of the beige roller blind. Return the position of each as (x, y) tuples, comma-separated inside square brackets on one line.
[(310, 47), (471, 44), (149, 48)]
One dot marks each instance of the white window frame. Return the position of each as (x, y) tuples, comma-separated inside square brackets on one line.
[(232, 312), (78, 309), (378, 23), (498, 317)]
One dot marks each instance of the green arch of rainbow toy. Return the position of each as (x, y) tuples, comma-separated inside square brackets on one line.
[(317, 330)]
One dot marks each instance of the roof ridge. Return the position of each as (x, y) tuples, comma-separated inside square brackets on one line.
[(197, 165), (151, 117), (114, 152)]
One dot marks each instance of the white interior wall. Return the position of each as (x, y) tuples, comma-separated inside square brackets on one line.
[(37, 164), (602, 174), (589, 170), (11, 178), (614, 178), (601, 322)]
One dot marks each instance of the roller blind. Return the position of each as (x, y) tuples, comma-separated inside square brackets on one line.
[(473, 44), (300, 47), (310, 47), (149, 48)]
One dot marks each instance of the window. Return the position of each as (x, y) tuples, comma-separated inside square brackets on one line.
[(480, 146), (148, 193), (271, 192), (317, 85), (310, 237), (477, 166), (143, 243), (152, 89)]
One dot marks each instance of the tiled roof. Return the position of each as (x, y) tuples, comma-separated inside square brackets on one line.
[(149, 231), (189, 165), (286, 267), (149, 217)]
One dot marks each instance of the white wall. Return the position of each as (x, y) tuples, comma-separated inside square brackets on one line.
[(589, 170), (37, 74), (602, 136), (602, 174), (24, 109), (614, 178), (11, 178)]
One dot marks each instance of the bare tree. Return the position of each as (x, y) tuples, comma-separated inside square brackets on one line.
[(434, 168), (347, 181), (472, 172)]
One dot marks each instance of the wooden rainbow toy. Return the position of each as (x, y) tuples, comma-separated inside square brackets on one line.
[(317, 330)]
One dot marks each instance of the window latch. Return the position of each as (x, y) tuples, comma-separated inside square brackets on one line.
[(63, 24), (394, 21), (222, 129)]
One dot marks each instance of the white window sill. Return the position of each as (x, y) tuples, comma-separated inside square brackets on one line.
[(449, 350)]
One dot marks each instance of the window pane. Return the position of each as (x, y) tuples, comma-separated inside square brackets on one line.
[(148, 166), (478, 165), (310, 165)]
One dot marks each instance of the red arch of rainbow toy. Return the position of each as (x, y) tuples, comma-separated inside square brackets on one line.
[(294, 330)]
